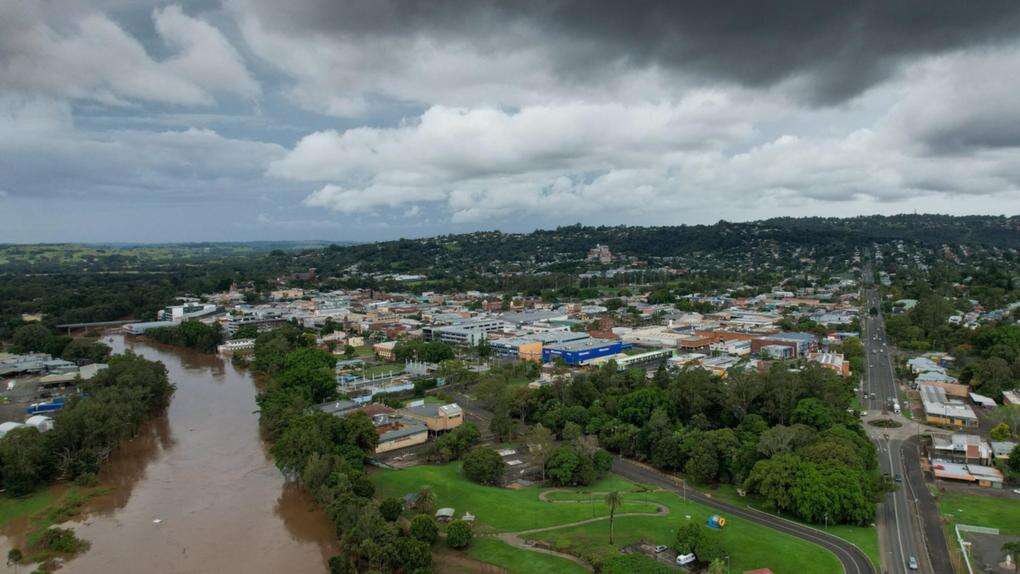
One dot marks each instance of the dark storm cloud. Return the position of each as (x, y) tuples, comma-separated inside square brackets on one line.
[(839, 48)]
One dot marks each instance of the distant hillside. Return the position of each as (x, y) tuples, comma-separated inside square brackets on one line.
[(823, 236), (69, 257)]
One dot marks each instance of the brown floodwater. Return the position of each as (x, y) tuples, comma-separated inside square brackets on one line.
[(197, 492)]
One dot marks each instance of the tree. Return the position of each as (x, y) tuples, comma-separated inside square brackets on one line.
[(613, 501), (484, 466), (391, 508), (687, 537), (1000, 432), (424, 528), (540, 443), (30, 338), (411, 555), (501, 425), (459, 535), (717, 566), (1014, 459)]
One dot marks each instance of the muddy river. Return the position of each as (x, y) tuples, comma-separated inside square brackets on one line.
[(197, 492)]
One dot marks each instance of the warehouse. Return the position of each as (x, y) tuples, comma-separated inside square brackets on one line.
[(580, 352)]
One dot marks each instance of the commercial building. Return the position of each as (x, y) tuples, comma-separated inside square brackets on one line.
[(468, 332), (961, 448), (580, 352), (939, 409), (984, 476)]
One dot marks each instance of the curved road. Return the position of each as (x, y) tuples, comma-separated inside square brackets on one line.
[(852, 558)]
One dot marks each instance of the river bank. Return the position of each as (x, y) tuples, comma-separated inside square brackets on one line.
[(196, 491)]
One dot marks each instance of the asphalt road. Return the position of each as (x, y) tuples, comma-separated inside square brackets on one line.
[(908, 519), (854, 560), (894, 515)]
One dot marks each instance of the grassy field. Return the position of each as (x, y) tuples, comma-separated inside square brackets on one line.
[(518, 561), (498, 509), (12, 508), (978, 510), (864, 537), (751, 546)]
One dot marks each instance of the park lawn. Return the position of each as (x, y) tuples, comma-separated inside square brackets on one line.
[(517, 561), (979, 510), (380, 369), (12, 508), (864, 537), (750, 545), (500, 509)]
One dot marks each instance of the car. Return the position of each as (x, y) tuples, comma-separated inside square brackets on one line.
[(898, 479), (1016, 491), (912, 563), (661, 548), (864, 413)]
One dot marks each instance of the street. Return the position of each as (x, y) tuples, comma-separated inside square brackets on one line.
[(902, 517)]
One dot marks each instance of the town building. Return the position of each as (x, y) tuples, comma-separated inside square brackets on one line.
[(939, 409)]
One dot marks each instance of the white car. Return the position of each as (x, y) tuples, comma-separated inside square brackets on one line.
[(661, 548)]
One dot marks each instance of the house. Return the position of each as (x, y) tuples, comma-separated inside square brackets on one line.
[(385, 350), (1002, 449), (438, 418), (395, 431), (832, 361)]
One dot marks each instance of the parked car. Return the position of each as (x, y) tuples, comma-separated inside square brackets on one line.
[(661, 548)]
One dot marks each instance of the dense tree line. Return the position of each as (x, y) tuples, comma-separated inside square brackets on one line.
[(783, 435), (191, 334), (327, 455), (112, 408), (36, 338)]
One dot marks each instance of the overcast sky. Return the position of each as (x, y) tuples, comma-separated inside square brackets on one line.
[(123, 120)]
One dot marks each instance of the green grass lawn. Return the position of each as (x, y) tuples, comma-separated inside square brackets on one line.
[(978, 510), (11, 508), (499, 509), (864, 537), (750, 545), (518, 561)]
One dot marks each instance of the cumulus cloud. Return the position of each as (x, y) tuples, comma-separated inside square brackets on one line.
[(91, 57)]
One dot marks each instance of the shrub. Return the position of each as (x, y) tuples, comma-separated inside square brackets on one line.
[(459, 535), (424, 528), (62, 540), (391, 508)]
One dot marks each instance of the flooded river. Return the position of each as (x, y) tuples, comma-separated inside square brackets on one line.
[(197, 492)]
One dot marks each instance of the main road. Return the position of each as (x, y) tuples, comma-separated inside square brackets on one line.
[(852, 558), (907, 518)]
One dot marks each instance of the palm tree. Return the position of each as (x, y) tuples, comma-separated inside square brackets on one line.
[(613, 501)]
